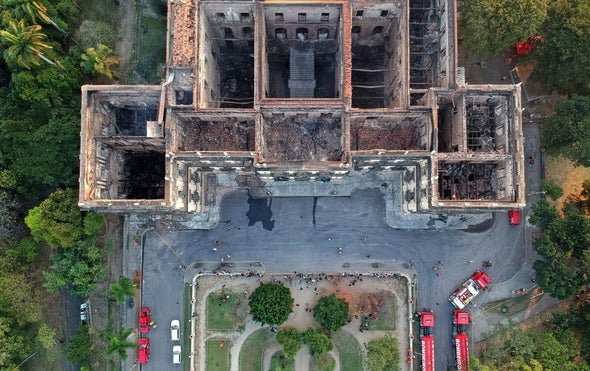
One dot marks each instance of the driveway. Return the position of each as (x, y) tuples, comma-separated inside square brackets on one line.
[(305, 234)]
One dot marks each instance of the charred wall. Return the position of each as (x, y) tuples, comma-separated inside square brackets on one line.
[(302, 51), (476, 180), (377, 55), (431, 46), (227, 49)]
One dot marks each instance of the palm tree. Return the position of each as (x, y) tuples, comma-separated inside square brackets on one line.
[(119, 343), (32, 9), (26, 44), (101, 60), (125, 287)]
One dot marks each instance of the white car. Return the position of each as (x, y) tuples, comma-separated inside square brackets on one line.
[(84, 312), (176, 354), (175, 330)]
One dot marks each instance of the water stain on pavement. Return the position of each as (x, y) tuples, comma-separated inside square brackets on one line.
[(260, 211)]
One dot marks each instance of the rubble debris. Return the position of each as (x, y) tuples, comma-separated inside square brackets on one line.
[(467, 181)]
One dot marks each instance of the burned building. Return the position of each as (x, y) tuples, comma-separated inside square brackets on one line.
[(278, 96)]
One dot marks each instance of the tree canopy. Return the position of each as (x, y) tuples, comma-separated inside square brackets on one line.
[(317, 341), (563, 63), (79, 267), (331, 312), (567, 132), (562, 244), (290, 339), (271, 303), (508, 347), (383, 354), (488, 26), (59, 222)]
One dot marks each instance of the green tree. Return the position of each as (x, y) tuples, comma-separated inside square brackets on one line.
[(567, 132), (563, 63), (101, 61), (93, 223), (58, 220), (79, 267), (79, 346), (488, 26), (290, 339), (556, 349), (383, 354), (26, 44), (331, 312), (33, 10), (317, 341), (551, 189), (46, 338), (121, 289), (25, 251), (93, 33), (271, 303), (119, 343), (13, 343), (18, 296)]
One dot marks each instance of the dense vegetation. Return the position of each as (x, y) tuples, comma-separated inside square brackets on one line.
[(331, 312), (563, 61), (43, 63), (270, 303), (563, 346)]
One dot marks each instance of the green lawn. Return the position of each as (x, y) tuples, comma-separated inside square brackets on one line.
[(385, 321), (253, 348), (325, 362), (512, 305), (221, 315), (152, 49), (218, 356), (279, 362), (351, 357)]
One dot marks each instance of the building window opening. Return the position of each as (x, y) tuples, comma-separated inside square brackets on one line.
[(302, 17), (323, 33), (248, 32), (384, 13), (281, 33), (245, 17), (359, 13), (377, 30), (302, 34), (325, 17), (220, 16), (356, 29), (279, 17), (228, 33)]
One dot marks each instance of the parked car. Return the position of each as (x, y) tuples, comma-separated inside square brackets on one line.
[(176, 350), (514, 217), (175, 330), (144, 319), (144, 351), (84, 312)]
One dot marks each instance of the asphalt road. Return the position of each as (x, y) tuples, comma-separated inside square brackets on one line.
[(70, 309), (304, 234)]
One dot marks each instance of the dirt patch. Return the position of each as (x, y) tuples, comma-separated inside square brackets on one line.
[(562, 171)]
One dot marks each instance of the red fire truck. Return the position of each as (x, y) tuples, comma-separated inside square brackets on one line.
[(460, 321), (427, 340), (470, 289)]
